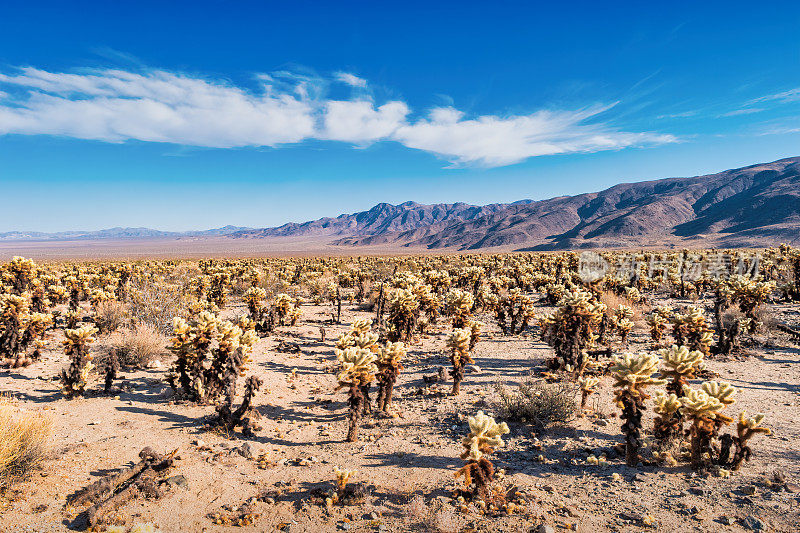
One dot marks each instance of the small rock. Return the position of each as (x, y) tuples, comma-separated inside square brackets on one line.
[(748, 490), (473, 369), (542, 528), (753, 524), (726, 520), (792, 488), (344, 526), (177, 481), (155, 365), (602, 422), (245, 451)]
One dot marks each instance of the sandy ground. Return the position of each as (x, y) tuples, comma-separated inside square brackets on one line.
[(188, 247), (415, 454)]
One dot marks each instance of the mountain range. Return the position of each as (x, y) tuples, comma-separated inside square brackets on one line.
[(752, 206)]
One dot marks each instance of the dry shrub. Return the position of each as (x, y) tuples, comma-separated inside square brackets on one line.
[(537, 402), (23, 441), (155, 304), (139, 346), (423, 517), (613, 301), (110, 315)]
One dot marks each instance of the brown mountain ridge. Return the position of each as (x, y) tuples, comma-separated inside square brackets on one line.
[(751, 206)]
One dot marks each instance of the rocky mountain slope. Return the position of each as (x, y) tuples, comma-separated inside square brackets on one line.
[(750, 206), (382, 219)]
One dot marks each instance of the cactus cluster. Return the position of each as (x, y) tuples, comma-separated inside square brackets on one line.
[(75, 379), (632, 374), (358, 370), (484, 436), (571, 330)]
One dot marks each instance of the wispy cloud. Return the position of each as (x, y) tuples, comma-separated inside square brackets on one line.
[(350, 79), (498, 141), (743, 111), (792, 95), (116, 105), (683, 114)]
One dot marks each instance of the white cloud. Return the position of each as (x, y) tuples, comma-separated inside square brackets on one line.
[(116, 106), (495, 141), (358, 121), (158, 106), (350, 79)]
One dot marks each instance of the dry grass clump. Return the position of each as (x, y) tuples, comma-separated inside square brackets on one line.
[(23, 441), (424, 517), (139, 346), (613, 301), (537, 402), (110, 315)]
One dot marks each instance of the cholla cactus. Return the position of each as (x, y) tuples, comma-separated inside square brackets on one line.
[(13, 310), (633, 294), (484, 436), (359, 336), (749, 294), (745, 430), (19, 329), (76, 286), (720, 390), (690, 329), (571, 329), (621, 321), (255, 298), (389, 366), (459, 345), (76, 346), (342, 479), (358, 369), (19, 274), (632, 373), (587, 385), (402, 317), (680, 364), (362, 338), (513, 311), (211, 354), (429, 303), (658, 321), (287, 309), (704, 411), (669, 422), (458, 305), (218, 288)]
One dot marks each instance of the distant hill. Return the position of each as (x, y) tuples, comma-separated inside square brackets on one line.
[(751, 206), (113, 234)]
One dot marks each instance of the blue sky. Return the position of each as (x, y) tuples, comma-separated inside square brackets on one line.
[(192, 115)]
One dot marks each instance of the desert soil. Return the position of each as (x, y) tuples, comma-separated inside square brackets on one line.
[(416, 453)]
